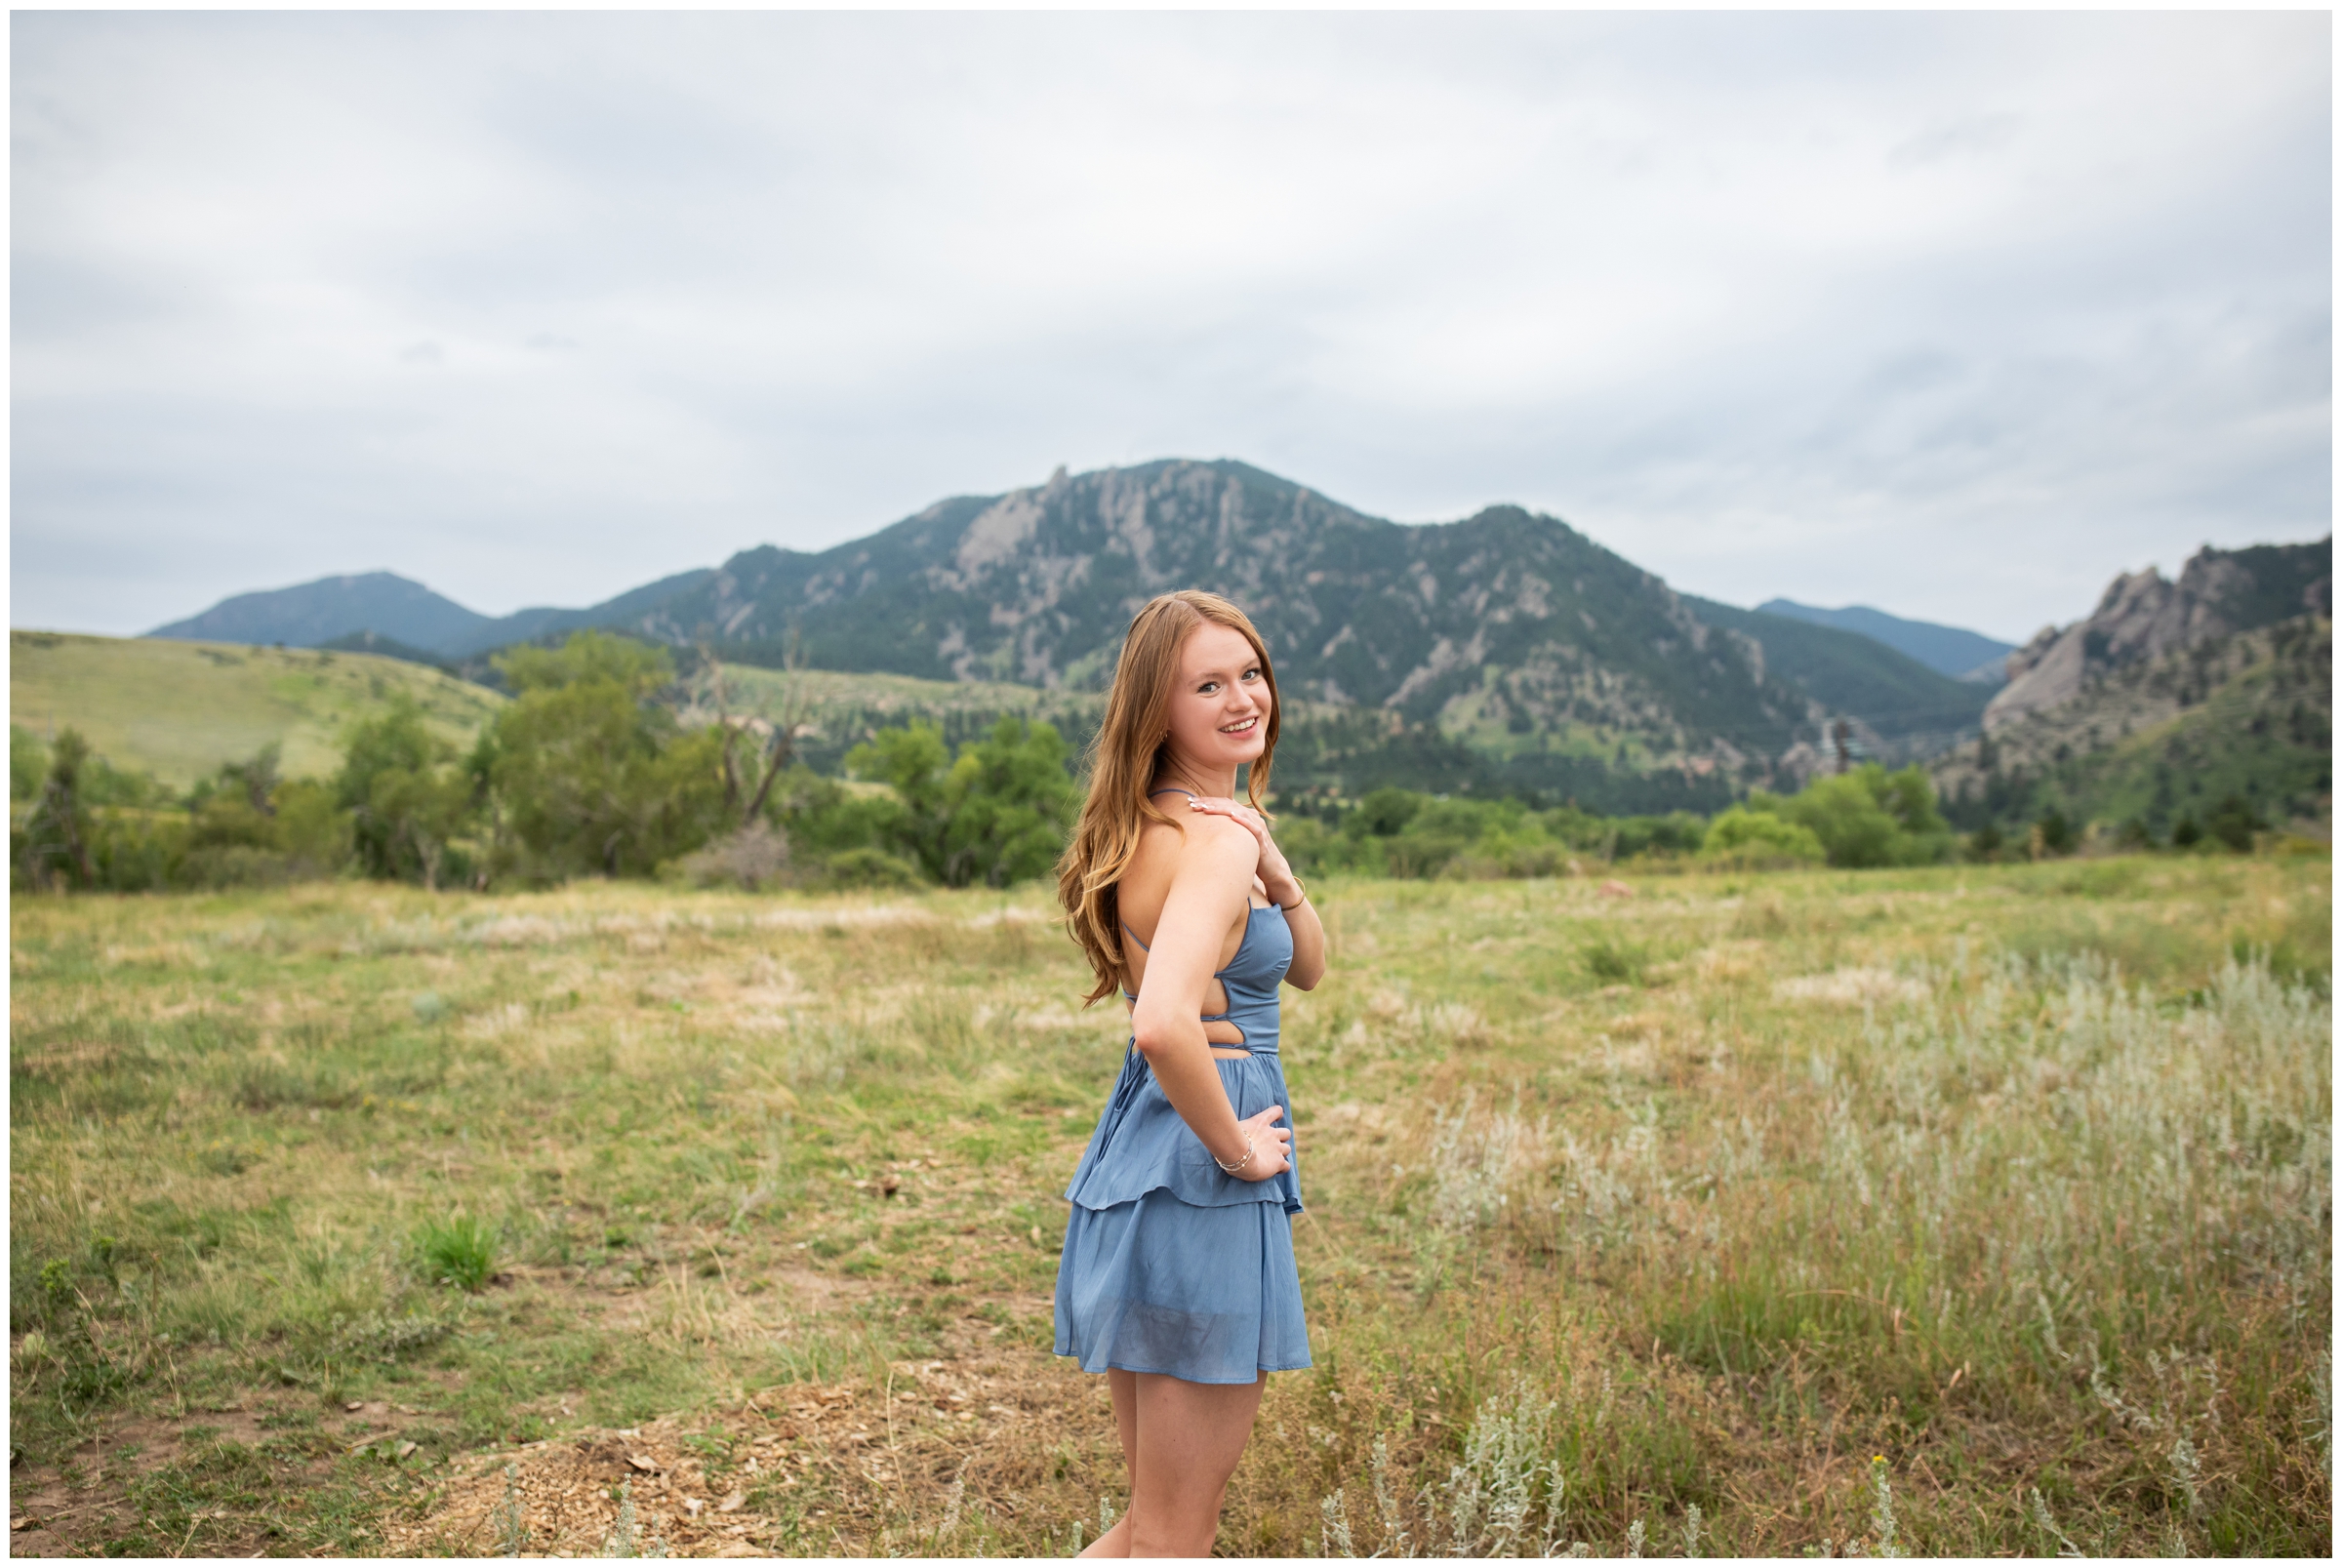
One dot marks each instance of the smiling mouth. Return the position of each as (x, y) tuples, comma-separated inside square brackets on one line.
[(1244, 728)]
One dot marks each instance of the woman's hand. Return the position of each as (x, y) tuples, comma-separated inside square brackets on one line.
[(1272, 1146), (1276, 877)]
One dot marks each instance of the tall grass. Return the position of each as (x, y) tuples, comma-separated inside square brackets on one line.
[(1949, 1211)]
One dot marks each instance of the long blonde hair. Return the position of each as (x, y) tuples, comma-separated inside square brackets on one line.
[(1124, 760)]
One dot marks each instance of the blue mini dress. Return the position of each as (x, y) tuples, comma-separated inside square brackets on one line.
[(1171, 1266)]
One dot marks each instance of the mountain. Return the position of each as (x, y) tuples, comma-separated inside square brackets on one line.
[(1901, 708), (318, 612), (1505, 651), (2160, 737), (1509, 632), (407, 617), (522, 626), (2141, 618), (1946, 650)]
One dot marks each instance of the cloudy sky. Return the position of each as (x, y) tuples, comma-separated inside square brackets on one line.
[(1955, 316)]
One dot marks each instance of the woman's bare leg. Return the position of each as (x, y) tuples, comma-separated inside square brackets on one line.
[(1188, 1438), (1124, 1388)]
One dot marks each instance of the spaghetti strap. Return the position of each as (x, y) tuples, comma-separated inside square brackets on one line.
[(1172, 789), (1135, 936)]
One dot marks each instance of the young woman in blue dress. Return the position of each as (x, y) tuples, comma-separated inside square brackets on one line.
[(1178, 1280)]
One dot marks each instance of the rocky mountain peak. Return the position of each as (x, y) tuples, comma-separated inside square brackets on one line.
[(2142, 615)]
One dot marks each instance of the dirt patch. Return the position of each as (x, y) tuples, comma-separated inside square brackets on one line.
[(913, 1465), (75, 1509)]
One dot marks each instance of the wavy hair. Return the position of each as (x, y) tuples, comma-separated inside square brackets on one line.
[(1124, 760)]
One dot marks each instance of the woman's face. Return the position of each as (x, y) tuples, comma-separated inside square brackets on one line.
[(1220, 700)]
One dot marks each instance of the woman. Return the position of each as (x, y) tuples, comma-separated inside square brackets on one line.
[(1178, 1279)]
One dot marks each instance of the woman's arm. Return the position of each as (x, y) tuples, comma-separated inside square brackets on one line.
[(1281, 885), (1209, 890), (1309, 937)]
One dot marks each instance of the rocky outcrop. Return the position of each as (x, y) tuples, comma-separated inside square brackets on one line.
[(2142, 617)]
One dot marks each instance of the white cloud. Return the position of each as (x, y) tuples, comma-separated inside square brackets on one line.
[(1955, 314)]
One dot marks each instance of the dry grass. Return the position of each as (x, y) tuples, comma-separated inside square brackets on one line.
[(2016, 1177)]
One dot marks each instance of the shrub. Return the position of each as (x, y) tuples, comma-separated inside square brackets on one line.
[(870, 868), (2233, 822), (1868, 817), (1743, 838), (751, 858), (2054, 831)]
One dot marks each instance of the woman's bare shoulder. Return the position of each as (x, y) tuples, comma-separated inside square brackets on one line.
[(1198, 844)]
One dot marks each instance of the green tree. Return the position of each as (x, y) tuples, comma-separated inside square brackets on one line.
[(914, 762), (28, 763), (407, 800), (588, 655), (57, 832), (1012, 803), (996, 815), (2233, 822), (1385, 813), (591, 780), (2054, 831)]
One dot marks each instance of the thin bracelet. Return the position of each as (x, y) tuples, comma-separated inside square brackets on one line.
[(1232, 1167), (1297, 902)]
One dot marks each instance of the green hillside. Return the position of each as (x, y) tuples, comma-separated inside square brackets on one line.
[(838, 709), (180, 710), (1898, 697)]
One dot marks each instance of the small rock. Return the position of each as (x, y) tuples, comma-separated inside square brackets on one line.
[(353, 1404), (648, 1466)]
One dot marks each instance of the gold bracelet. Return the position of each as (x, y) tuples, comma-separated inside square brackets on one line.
[(1297, 902), (1233, 1168)]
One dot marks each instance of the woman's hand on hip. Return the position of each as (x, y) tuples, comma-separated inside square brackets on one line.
[(1275, 875), (1272, 1146)]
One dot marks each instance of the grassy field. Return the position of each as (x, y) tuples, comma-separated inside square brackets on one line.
[(180, 710), (1958, 1210)]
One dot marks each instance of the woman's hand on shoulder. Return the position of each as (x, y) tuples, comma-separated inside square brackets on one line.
[(1275, 875)]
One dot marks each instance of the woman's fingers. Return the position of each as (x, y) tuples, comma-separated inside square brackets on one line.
[(1220, 806)]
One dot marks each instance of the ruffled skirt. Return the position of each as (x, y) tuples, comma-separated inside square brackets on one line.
[(1170, 1267)]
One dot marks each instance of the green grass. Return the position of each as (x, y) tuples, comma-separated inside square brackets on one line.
[(1617, 1207), (180, 710), (459, 1252)]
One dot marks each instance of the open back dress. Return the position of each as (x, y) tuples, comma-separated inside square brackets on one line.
[(1172, 1266)]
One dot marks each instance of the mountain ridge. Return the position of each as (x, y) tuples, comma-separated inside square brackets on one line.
[(1953, 651), (1507, 632)]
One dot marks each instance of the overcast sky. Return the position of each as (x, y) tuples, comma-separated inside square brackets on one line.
[(1955, 316)]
